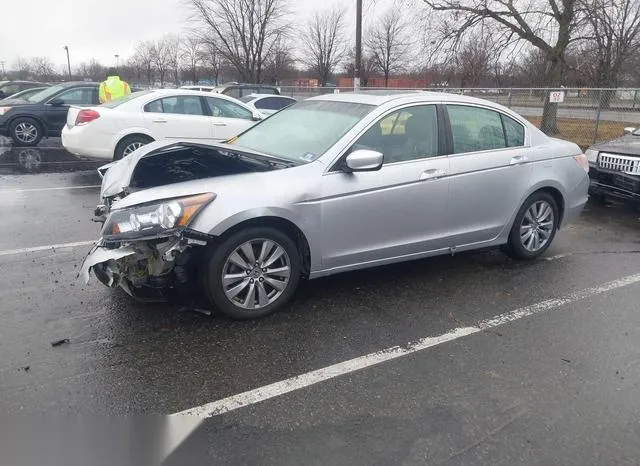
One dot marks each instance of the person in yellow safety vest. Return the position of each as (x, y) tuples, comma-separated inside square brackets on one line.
[(113, 88)]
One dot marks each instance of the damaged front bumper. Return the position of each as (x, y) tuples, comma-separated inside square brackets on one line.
[(145, 269)]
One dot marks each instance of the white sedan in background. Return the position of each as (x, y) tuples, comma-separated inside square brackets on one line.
[(267, 104), (115, 129)]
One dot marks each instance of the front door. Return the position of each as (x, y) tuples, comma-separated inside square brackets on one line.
[(57, 107), (490, 172), (181, 118), (396, 212)]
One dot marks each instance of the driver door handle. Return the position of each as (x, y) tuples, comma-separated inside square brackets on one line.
[(432, 174), (519, 159), (220, 123), (160, 120)]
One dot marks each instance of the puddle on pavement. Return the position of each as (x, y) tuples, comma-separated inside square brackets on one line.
[(32, 160)]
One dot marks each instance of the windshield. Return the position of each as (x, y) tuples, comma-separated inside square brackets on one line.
[(116, 103), (303, 132), (45, 94)]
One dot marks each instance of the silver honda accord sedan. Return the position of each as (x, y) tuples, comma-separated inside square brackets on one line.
[(335, 183)]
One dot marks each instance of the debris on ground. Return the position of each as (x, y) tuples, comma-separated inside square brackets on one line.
[(60, 342)]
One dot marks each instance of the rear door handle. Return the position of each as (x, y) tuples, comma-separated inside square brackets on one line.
[(519, 159), (432, 174), (159, 121), (220, 124)]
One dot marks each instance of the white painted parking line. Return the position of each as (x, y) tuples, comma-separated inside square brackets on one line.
[(58, 188), (46, 248), (298, 382)]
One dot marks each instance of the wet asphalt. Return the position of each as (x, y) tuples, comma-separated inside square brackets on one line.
[(559, 387)]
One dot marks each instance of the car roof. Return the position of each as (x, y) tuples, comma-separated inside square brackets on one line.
[(266, 96), (378, 98)]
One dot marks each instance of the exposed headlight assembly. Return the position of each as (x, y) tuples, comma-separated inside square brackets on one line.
[(4, 110), (156, 219), (592, 155)]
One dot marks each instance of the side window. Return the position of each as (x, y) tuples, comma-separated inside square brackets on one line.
[(407, 134), (154, 107), (233, 92), (77, 96), (282, 102), (225, 109), (270, 103), (475, 129), (180, 105), (514, 131), (11, 89)]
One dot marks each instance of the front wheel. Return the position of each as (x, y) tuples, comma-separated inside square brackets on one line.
[(534, 227), (253, 272), (25, 132)]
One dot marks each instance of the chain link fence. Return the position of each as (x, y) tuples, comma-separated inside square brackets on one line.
[(584, 116)]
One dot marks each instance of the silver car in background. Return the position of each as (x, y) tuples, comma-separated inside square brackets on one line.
[(331, 184)]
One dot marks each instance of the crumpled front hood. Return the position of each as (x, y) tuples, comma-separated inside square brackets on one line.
[(625, 145), (117, 176)]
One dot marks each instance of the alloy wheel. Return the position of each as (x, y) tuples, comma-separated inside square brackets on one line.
[(256, 274), (26, 132), (132, 147), (537, 226)]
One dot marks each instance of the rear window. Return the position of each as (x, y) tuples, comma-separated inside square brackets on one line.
[(134, 95)]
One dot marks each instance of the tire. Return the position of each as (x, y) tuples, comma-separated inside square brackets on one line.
[(25, 131), (534, 218), (129, 143), (233, 298)]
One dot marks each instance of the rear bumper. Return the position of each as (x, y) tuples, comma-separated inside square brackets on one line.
[(614, 184), (77, 142)]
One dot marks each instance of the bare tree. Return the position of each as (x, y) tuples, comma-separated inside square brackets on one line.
[(615, 35), (160, 54), (324, 43), (549, 25), (91, 70), (280, 61), (244, 30), (389, 43), (43, 68), (23, 68), (212, 57), (173, 51), (368, 67), (144, 58), (192, 55)]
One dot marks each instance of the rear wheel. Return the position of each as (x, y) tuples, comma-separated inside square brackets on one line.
[(130, 144), (253, 272), (534, 227), (26, 131)]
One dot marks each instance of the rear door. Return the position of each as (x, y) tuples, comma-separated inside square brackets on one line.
[(490, 172), (57, 107), (180, 117), (228, 119)]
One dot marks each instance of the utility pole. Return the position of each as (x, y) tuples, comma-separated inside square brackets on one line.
[(358, 67), (3, 72), (66, 47), (117, 62)]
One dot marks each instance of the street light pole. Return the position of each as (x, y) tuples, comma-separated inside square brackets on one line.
[(3, 72), (66, 47), (117, 62), (356, 80)]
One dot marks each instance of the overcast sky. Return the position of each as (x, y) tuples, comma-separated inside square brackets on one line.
[(101, 29)]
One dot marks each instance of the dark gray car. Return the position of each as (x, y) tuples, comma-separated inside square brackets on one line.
[(615, 167)]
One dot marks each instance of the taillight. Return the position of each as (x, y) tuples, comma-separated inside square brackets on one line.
[(86, 116), (583, 161)]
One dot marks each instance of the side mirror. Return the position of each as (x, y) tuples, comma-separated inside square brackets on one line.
[(629, 130), (57, 102), (364, 160), (257, 116)]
